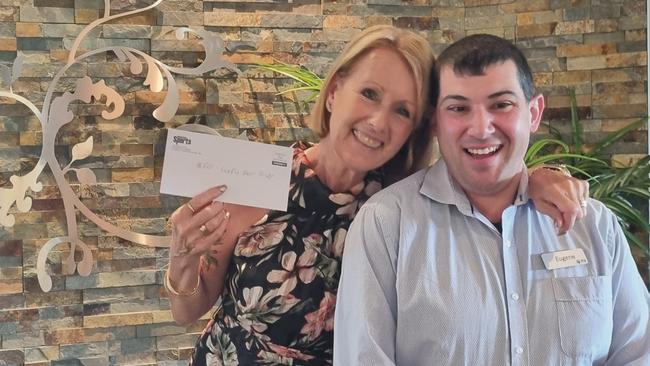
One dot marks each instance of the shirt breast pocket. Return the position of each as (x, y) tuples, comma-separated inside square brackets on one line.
[(584, 314)]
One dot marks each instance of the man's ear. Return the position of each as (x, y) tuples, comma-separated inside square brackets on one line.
[(536, 108)]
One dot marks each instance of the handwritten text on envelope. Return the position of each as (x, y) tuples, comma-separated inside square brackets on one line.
[(256, 174)]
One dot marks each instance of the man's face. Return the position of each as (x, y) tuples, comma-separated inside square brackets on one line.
[(483, 127)]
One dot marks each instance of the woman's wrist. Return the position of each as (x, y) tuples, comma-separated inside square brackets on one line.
[(560, 168), (175, 290), (183, 275)]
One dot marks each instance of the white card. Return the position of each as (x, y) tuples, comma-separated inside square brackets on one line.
[(564, 258), (256, 174)]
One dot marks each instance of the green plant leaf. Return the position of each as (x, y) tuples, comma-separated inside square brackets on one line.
[(617, 135), (576, 125), (562, 157), (539, 145), (634, 240), (301, 75)]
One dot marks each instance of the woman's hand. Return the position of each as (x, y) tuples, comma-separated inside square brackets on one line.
[(198, 225), (562, 197)]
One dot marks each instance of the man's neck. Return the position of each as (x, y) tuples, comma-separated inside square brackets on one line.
[(492, 204)]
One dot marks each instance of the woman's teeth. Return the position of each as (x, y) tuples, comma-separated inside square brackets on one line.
[(483, 151), (367, 140)]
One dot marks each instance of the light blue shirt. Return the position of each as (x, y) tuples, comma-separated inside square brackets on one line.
[(428, 280)]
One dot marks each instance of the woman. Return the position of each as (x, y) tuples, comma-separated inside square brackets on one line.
[(277, 272)]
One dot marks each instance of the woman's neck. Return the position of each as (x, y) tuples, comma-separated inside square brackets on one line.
[(331, 170)]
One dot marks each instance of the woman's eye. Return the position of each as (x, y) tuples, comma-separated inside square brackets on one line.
[(404, 112), (369, 93)]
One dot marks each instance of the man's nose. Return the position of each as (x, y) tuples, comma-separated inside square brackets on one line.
[(481, 123)]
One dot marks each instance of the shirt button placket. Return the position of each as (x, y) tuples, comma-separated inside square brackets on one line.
[(513, 288)]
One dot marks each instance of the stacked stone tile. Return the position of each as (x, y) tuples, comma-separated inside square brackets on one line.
[(119, 314)]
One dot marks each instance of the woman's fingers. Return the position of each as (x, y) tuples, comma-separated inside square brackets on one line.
[(584, 185), (214, 238), (203, 225), (189, 222), (203, 199), (552, 211)]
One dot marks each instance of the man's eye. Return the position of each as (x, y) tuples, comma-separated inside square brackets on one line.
[(457, 108), (503, 105), (369, 93)]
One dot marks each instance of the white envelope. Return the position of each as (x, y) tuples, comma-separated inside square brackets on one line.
[(256, 174)]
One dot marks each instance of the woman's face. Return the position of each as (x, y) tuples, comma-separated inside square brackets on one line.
[(373, 110)]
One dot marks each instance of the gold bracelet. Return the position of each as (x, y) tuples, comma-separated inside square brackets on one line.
[(170, 289), (560, 168)]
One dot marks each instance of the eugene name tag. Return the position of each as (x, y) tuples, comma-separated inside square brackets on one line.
[(564, 258)]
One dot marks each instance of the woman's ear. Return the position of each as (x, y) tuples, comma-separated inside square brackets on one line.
[(331, 90)]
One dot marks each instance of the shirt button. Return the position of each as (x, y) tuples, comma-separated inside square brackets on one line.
[(508, 243), (515, 296), (519, 350)]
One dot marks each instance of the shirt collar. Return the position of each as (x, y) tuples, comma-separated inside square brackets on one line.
[(440, 186)]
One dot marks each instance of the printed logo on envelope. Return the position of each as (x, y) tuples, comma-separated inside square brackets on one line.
[(279, 160), (182, 140)]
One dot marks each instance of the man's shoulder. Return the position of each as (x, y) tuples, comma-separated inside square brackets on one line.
[(598, 214), (398, 199), (400, 191)]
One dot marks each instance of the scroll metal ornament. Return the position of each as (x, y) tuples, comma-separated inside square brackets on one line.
[(56, 114)]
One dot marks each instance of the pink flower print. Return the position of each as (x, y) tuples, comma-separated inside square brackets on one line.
[(321, 319), (347, 202), (339, 242), (259, 239), (290, 353), (302, 268), (313, 240)]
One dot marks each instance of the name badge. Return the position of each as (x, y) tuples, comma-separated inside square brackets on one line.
[(564, 258)]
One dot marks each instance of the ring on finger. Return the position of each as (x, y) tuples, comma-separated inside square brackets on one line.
[(183, 250), (203, 229)]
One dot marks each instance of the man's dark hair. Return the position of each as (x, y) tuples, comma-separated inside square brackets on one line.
[(473, 54)]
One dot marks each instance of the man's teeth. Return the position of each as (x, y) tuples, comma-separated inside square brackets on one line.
[(367, 140), (483, 151)]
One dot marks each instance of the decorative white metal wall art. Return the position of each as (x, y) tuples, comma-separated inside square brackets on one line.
[(56, 114)]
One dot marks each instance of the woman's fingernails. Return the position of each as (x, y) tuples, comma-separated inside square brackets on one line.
[(223, 188), (227, 215)]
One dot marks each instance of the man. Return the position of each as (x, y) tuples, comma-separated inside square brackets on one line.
[(455, 266)]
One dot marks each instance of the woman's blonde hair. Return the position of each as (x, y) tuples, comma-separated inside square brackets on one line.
[(418, 55)]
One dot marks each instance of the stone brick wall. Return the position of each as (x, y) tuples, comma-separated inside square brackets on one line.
[(119, 314)]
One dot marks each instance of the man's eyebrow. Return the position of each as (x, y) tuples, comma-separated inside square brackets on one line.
[(501, 93), (461, 98), (454, 97)]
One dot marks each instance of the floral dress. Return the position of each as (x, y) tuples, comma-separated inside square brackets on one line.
[(278, 300)]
